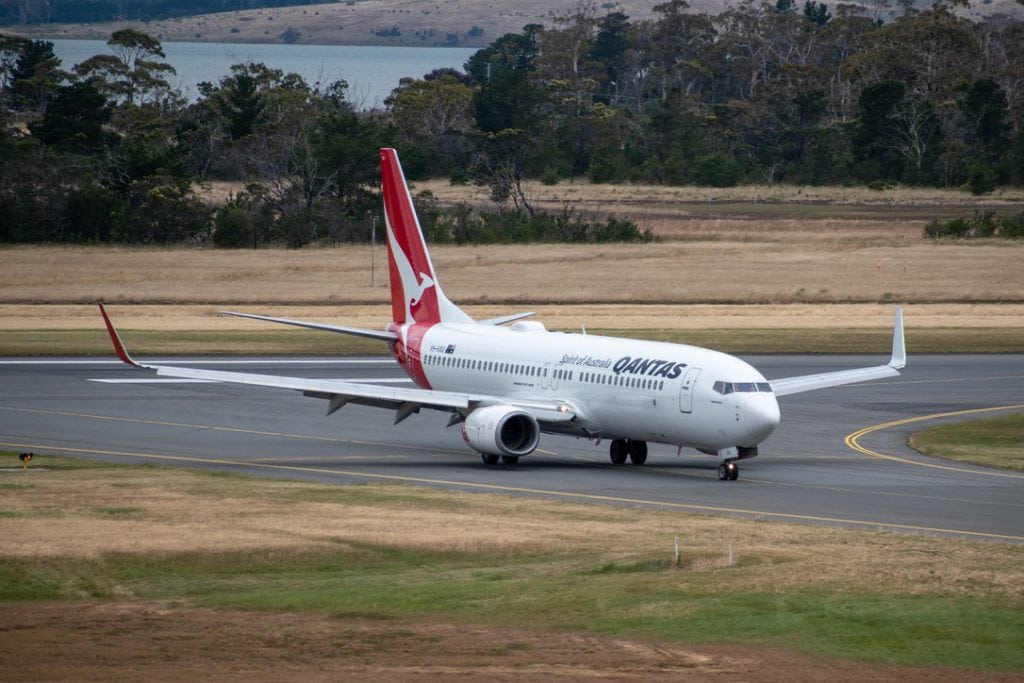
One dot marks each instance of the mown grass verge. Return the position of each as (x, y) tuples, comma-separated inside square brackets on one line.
[(553, 592), (299, 342), (992, 442), (398, 552)]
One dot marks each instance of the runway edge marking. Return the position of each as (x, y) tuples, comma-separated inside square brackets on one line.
[(852, 441), (889, 526)]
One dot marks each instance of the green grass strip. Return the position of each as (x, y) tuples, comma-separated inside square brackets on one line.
[(992, 442), (649, 600)]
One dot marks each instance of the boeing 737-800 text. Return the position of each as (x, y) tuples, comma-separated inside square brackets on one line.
[(506, 384)]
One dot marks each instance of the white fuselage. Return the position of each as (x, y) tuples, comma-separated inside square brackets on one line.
[(618, 388)]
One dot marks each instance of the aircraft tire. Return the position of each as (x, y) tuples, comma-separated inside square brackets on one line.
[(489, 458), (618, 451), (510, 459), (729, 471), (637, 452)]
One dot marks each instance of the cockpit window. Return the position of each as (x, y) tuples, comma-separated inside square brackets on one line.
[(726, 388)]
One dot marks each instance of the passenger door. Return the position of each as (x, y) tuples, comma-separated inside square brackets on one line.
[(686, 390)]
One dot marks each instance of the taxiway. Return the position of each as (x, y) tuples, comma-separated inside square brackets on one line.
[(839, 457)]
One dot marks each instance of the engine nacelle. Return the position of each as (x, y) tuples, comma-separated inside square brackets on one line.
[(501, 430)]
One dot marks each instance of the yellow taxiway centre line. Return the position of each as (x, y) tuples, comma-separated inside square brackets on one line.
[(497, 488), (851, 440)]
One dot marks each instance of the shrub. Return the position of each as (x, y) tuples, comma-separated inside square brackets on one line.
[(460, 225), (1012, 227), (550, 177), (981, 177), (982, 224), (716, 170), (232, 228)]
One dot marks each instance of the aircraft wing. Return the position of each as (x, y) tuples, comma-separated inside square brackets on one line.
[(796, 385), (404, 400)]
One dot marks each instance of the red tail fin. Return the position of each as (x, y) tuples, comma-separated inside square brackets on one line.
[(416, 295)]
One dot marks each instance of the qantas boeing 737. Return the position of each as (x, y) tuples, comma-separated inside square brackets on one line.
[(507, 384)]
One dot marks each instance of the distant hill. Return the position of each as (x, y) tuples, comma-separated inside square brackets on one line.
[(466, 23), (92, 11)]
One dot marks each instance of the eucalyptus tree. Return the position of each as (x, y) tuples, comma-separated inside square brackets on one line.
[(681, 43), (609, 50), (432, 118), (133, 74)]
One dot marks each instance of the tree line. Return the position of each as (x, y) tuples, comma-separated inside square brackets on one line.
[(763, 93)]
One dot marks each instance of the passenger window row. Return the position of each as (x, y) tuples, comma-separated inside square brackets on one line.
[(526, 370)]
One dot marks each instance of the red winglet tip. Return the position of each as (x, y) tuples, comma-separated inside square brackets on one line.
[(115, 338)]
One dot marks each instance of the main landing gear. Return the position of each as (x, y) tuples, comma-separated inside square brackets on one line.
[(491, 459), (621, 449), (729, 471)]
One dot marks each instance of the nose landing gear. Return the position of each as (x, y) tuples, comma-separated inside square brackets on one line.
[(729, 471)]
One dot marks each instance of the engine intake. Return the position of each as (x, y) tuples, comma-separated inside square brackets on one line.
[(501, 430)]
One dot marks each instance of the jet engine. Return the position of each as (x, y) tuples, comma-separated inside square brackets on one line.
[(501, 430)]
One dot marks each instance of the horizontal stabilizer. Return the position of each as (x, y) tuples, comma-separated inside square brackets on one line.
[(501, 320), (355, 331)]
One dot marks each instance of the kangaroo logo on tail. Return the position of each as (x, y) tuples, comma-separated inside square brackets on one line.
[(416, 295)]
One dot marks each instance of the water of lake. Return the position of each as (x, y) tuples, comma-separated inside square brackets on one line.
[(372, 72)]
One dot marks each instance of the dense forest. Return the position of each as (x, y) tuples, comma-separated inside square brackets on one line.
[(105, 150), (84, 11)]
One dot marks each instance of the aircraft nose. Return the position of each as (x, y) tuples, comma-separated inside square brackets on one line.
[(760, 417)]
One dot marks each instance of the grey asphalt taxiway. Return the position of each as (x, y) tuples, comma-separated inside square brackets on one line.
[(839, 457)]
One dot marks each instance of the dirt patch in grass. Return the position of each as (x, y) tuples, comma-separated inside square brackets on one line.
[(126, 641)]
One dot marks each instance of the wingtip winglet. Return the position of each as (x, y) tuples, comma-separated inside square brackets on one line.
[(899, 346), (115, 339)]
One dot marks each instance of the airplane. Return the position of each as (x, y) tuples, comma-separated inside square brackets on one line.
[(508, 380)]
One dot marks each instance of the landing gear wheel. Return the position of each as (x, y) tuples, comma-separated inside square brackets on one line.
[(489, 459), (637, 452), (619, 451), (729, 471), (510, 459)]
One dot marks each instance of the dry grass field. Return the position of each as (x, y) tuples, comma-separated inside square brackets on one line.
[(672, 273), (107, 510), (82, 521), (752, 258)]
